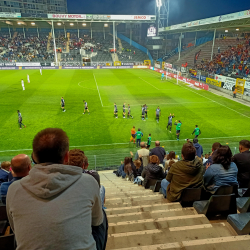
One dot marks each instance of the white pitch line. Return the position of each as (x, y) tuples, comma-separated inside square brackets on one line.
[(84, 87), (98, 90), (213, 100), (149, 83), (126, 143), (171, 103)]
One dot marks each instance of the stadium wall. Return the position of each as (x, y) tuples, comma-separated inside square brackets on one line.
[(136, 45)]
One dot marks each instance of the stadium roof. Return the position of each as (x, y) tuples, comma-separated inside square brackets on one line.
[(234, 20), (78, 17)]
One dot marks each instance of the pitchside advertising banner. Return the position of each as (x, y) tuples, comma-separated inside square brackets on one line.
[(213, 82), (247, 89), (103, 17), (240, 85)]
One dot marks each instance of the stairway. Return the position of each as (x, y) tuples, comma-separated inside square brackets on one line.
[(142, 220), (14, 36), (67, 43), (120, 44), (48, 43), (114, 57)]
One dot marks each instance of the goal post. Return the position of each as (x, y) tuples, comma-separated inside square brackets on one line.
[(147, 63), (117, 63)]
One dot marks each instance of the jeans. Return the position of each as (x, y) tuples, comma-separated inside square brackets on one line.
[(164, 185), (138, 142), (102, 194)]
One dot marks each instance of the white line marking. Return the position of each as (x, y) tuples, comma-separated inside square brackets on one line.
[(126, 143), (98, 90), (171, 103), (149, 83), (208, 98), (84, 87)]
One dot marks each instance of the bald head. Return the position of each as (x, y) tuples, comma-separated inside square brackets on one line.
[(20, 165), (142, 145), (157, 143)]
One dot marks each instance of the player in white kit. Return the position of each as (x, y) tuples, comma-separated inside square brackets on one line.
[(41, 71), (22, 82), (28, 78)]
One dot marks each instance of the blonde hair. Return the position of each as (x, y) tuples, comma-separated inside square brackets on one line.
[(6, 165)]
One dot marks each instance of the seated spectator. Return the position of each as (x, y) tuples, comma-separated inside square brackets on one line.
[(158, 151), (55, 200), (20, 167), (136, 165), (79, 159), (153, 170), (187, 173), (242, 161), (170, 157), (223, 172), (4, 171), (198, 147), (209, 161), (144, 154)]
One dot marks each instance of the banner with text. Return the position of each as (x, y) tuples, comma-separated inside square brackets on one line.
[(240, 85), (213, 82)]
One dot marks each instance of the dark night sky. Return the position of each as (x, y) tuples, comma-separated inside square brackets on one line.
[(181, 10)]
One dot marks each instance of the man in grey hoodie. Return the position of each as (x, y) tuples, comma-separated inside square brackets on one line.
[(54, 206)]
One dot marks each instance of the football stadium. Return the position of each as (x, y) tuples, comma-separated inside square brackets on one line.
[(123, 131)]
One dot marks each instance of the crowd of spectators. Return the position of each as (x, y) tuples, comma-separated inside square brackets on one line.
[(235, 59), (195, 170), (26, 49)]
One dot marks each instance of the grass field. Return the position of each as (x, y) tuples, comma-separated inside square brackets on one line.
[(100, 133)]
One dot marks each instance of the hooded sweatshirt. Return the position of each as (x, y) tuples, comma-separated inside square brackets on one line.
[(199, 149), (54, 207), (184, 174)]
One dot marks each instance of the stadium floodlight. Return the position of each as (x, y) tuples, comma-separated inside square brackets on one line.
[(237, 29), (84, 24), (71, 24), (33, 23), (19, 23), (106, 25), (226, 31), (159, 3), (59, 24)]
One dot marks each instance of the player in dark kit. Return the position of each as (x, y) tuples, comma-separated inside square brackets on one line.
[(63, 104), (146, 110), (124, 109), (157, 114), (20, 119), (85, 107), (143, 113), (129, 112), (115, 111), (170, 122)]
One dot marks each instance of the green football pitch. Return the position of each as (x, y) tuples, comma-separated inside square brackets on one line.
[(99, 134)]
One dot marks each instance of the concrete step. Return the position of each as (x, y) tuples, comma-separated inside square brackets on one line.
[(156, 214), (133, 198), (222, 243), (129, 193), (145, 208), (138, 203), (162, 236), (151, 224)]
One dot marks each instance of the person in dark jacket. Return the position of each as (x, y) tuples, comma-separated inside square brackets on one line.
[(153, 170), (209, 161), (187, 173), (4, 171), (158, 151), (242, 160), (198, 147)]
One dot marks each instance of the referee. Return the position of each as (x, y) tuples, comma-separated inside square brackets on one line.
[(20, 119)]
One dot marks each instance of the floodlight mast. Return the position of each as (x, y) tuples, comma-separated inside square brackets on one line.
[(162, 13)]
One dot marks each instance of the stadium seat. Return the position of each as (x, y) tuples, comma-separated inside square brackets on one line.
[(189, 196), (240, 223), (7, 242), (217, 205), (243, 204), (243, 192), (3, 219)]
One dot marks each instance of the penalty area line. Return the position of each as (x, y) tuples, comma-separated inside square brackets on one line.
[(98, 89), (126, 143)]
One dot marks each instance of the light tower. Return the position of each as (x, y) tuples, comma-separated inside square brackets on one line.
[(162, 13)]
